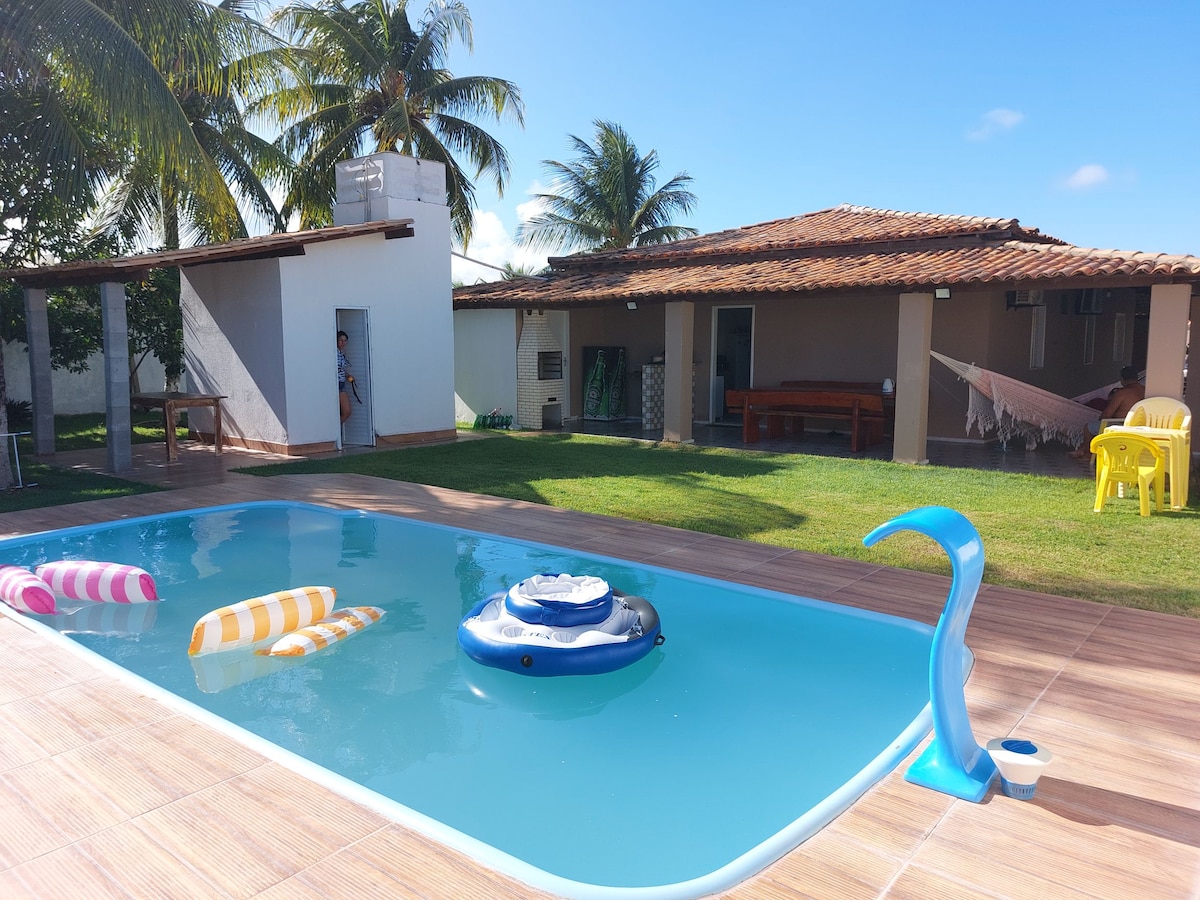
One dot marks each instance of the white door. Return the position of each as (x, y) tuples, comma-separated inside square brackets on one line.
[(359, 429)]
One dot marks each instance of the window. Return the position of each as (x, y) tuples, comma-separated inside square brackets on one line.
[(1089, 340), (1119, 337), (1037, 338)]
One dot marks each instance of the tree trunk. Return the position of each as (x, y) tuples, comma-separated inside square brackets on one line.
[(6, 475)]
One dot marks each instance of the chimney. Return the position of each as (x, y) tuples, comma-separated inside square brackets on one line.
[(383, 185)]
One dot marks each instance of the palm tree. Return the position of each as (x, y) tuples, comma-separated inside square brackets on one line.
[(145, 204), (100, 75), (369, 81), (606, 200), (107, 57)]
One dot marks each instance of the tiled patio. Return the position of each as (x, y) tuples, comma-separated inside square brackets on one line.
[(105, 791)]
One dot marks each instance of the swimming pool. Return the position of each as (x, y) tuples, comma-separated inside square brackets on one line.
[(760, 719)]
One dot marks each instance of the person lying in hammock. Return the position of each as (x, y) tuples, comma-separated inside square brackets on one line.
[(1120, 402)]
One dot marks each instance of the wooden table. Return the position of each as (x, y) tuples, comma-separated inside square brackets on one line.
[(865, 412), (169, 402)]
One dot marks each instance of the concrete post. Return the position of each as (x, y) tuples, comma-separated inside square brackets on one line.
[(677, 392), (1166, 346), (116, 376), (912, 379), (37, 332)]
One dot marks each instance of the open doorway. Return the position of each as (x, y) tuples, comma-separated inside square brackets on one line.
[(733, 331), (359, 429)]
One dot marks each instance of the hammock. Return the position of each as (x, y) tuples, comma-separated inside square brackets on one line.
[(1013, 408)]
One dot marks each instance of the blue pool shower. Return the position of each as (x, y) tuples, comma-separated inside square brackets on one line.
[(953, 763)]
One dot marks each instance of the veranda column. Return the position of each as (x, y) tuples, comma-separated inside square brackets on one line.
[(1192, 396), (116, 376), (1167, 344), (677, 390), (912, 379), (37, 338)]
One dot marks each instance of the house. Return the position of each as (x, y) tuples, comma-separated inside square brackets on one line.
[(849, 293), (260, 316)]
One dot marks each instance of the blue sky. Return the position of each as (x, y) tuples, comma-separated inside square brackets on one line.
[(1076, 118)]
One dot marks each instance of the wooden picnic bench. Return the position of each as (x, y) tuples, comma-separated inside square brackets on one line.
[(864, 411)]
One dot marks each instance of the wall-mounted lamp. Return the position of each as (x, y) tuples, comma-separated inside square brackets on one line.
[(631, 304), (941, 293)]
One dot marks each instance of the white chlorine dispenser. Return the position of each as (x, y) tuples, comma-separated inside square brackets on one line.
[(1020, 763)]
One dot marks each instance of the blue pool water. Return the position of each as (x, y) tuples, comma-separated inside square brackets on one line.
[(761, 717)]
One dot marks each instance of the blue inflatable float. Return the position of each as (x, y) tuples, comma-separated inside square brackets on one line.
[(560, 625)]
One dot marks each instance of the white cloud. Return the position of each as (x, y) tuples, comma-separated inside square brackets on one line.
[(491, 243), (995, 122), (1087, 176)]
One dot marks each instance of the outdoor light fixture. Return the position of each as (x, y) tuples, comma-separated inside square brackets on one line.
[(941, 293), (631, 304)]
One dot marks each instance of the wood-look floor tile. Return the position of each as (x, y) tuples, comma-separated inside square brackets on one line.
[(234, 835), (25, 831), (1003, 839), (434, 870), (916, 882), (344, 874), (829, 864), (76, 804), (144, 867), (68, 872), (69, 717), (154, 765)]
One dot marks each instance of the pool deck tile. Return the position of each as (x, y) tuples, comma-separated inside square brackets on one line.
[(107, 792)]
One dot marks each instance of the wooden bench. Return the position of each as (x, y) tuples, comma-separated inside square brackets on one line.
[(864, 411)]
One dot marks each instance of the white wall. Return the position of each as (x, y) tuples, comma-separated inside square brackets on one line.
[(233, 345), (485, 362), (81, 392), (404, 284), (262, 333)]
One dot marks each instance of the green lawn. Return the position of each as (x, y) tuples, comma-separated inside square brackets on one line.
[(54, 487), (1039, 533)]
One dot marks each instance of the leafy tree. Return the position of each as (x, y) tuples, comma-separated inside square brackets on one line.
[(107, 58), (150, 203), (367, 80), (100, 88), (607, 200), (156, 322)]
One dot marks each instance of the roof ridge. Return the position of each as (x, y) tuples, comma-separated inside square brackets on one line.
[(1111, 253), (936, 217)]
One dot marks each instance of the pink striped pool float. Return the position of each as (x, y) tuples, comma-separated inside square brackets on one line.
[(104, 582), (25, 591)]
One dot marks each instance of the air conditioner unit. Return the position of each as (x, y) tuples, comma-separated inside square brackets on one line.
[(1020, 299)]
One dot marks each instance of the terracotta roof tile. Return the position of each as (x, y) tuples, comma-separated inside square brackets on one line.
[(838, 226), (128, 268), (842, 248), (1006, 263)]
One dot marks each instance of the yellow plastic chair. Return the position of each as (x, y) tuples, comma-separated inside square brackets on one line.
[(1160, 412), (1129, 459), (1168, 421)]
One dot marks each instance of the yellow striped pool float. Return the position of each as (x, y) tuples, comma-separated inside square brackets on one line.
[(340, 624), (260, 618)]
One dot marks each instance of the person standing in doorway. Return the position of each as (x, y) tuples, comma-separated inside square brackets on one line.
[(345, 379)]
